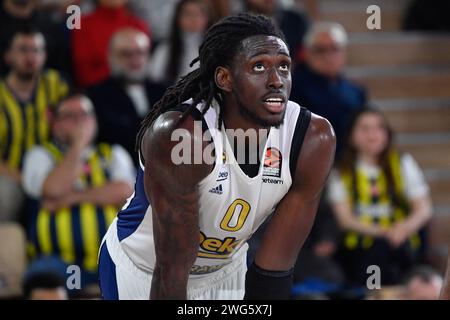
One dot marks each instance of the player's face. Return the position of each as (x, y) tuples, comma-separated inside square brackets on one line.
[(370, 135), (261, 82)]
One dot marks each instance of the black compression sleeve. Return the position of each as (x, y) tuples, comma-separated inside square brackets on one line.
[(263, 284)]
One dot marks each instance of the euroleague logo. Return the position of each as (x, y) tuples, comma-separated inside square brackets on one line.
[(272, 162)]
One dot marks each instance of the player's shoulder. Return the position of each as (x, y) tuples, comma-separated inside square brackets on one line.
[(321, 127), (171, 131), (170, 146), (320, 139), (177, 123)]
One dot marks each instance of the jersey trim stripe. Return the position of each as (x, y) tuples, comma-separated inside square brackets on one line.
[(301, 127)]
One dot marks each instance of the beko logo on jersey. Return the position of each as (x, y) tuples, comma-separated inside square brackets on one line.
[(216, 248)]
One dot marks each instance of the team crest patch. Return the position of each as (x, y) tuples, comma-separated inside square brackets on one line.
[(272, 163)]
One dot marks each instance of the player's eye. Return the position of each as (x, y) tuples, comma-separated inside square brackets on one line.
[(258, 67), (284, 66)]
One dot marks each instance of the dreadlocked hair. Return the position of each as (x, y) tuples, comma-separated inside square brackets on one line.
[(221, 43)]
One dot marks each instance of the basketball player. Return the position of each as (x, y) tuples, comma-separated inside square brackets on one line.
[(183, 233)]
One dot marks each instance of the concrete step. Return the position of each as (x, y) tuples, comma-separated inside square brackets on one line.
[(403, 81), (432, 151), (398, 48), (440, 192), (426, 115), (352, 13)]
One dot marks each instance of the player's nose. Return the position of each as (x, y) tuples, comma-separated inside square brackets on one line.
[(274, 80)]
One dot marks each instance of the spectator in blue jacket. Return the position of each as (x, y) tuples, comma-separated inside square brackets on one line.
[(319, 83)]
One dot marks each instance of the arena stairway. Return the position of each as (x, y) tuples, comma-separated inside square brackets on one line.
[(407, 75)]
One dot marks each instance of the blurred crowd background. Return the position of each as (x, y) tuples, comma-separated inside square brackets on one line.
[(71, 102)]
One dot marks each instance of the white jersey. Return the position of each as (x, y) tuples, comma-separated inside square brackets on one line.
[(232, 205)]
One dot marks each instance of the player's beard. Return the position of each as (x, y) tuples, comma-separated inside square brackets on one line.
[(252, 116)]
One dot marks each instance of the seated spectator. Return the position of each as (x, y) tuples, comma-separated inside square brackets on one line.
[(76, 188), (45, 286), (294, 24), (423, 283), (381, 201), (158, 14), (26, 95), (90, 43), (319, 84), (17, 14), (122, 101), (172, 58)]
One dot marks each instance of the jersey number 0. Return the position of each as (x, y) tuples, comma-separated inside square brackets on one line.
[(239, 207)]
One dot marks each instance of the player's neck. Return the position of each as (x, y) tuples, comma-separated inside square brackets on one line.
[(233, 119)]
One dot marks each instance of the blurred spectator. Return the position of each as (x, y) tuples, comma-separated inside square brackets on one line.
[(17, 14), (381, 201), (26, 95), (320, 85), (75, 189), (172, 58), (157, 14), (90, 43), (423, 15), (45, 286), (315, 261), (122, 100), (221, 9), (423, 283), (294, 24)]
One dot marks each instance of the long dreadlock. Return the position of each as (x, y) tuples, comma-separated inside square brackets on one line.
[(220, 45)]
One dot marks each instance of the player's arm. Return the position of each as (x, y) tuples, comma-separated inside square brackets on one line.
[(270, 277), (445, 291), (173, 194)]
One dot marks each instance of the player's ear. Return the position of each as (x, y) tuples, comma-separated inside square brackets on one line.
[(222, 77)]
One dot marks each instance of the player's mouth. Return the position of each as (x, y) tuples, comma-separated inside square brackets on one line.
[(275, 103)]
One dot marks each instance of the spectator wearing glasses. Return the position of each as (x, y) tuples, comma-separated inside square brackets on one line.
[(127, 95), (319, 83), (76, 188)]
